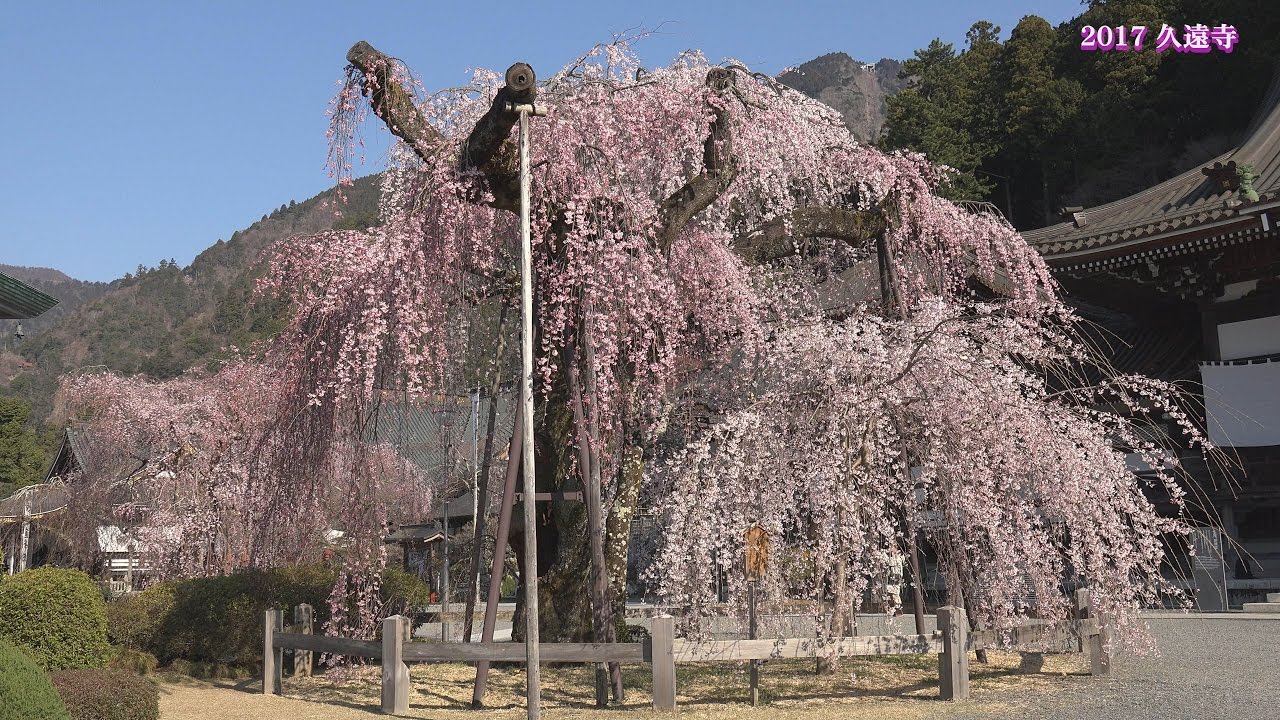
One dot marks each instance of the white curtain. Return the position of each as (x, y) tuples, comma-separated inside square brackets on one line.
[(1242, 402)]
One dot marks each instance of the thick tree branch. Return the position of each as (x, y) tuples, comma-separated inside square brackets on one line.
[(777, 238), (391, 102), (718, 169), (488, 147)]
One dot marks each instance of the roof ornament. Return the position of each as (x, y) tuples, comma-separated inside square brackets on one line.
[(1245, 177), (1075, 214)]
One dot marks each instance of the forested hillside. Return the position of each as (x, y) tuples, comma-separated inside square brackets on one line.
[(1033, 123), (165, 319)]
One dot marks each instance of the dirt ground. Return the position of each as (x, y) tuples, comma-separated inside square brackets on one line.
[(901, 687)]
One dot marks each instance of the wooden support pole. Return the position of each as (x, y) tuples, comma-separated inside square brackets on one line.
[(953, 663), (395, 673), (482, 483), (664, 663), (499, 556), (303, 619), (272, 656), (589, 470)]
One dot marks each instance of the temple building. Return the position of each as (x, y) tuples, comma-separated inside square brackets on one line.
[(1182, 282)]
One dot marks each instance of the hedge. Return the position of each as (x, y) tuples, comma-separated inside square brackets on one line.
[(138, 662), (107, 695), (217, 621), (58, 615), (25, 690)]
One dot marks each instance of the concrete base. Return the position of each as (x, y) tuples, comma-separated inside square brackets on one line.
[(1267, 607)]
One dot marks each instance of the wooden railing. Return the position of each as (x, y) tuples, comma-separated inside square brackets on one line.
[(663, 650)]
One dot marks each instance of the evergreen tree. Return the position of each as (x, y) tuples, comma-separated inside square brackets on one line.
[(22, 458)]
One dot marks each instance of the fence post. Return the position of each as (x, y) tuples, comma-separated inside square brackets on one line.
[(303, 617), (1100, 647), (664, 663), (953, 663), (272, 656), (1082, 614), (395, 674)]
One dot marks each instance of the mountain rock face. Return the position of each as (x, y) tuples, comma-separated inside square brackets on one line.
[(856, 90)]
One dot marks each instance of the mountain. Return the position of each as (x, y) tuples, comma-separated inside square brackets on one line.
[(163, 320), (857, 90)]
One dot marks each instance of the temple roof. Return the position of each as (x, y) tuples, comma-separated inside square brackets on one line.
[(19, 301), (1192, 202)]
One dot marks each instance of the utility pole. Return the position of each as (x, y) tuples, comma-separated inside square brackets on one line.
[(521, 75)]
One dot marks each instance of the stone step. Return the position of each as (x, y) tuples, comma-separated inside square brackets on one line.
[(1266, 607), (1273, 597)]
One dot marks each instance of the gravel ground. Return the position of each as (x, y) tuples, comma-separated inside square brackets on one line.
[(1209, 669)]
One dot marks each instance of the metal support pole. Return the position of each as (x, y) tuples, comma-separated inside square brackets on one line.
[(533, 691), (473, 588), (752, 630), (445, 581)]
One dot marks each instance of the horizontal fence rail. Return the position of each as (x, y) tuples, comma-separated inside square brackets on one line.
[(328, 644), (689, 651)]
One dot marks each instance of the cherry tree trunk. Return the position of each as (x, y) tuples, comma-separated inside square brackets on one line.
[(564, 556)]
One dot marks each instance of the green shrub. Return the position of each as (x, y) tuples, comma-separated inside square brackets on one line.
[(58, 615), (107, 695), (215, 619), (403, 592), (134, 620), (138, 662), (208, 671), (218, 620), (25, 690)]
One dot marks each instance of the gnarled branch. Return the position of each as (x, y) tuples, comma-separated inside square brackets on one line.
[(391, 102), (488, 147), (718, 169), (776, 239)]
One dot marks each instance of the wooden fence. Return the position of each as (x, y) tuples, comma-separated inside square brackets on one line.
[(663, 650)]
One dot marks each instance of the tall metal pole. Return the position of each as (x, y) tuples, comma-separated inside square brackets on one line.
[(474, 590), (445, 582), (533, 690)]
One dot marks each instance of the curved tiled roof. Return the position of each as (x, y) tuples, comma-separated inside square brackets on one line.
[(1182, 203), (19, 301)]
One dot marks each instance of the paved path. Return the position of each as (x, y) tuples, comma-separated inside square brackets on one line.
[(1221, 668)]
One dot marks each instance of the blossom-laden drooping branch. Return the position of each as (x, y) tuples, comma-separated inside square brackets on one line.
[(183, 464), (658, 195), (950, 420)]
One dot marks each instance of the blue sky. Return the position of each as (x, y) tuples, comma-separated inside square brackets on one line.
[(136, 132)]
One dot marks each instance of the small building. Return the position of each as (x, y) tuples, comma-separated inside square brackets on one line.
[(37, 517)]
